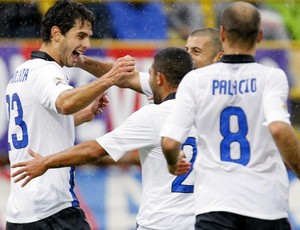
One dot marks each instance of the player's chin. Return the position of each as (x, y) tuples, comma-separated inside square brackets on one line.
[(70, 63)]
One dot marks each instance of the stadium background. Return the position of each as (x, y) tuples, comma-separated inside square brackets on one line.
[(110, 192)]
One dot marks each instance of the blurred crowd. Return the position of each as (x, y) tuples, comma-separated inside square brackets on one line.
[(151, 20)]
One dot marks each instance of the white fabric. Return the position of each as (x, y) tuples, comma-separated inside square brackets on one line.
[(144, 81), (31, 96), (159, 208), (231, 106)]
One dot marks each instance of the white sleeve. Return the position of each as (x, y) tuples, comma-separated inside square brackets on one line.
[(137, 131), (181, 119), (144, 81), (50, 84), (275, 97)]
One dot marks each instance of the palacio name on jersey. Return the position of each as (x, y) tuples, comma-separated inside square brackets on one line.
[(233, 87), (19, 76)]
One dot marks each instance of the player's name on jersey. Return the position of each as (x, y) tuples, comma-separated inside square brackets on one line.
[(19, 76), (233, 87)]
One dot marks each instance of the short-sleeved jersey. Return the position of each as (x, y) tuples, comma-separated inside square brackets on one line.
[(238, 168), (167, 201), (35, 123), (144, 82)]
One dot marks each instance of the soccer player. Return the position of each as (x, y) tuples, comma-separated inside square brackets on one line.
[(43, 110), (239, 108), (167, 200), (204, 46)]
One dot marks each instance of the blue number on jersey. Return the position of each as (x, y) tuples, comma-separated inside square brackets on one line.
[(16, 102), (230, 137), (177, 185)]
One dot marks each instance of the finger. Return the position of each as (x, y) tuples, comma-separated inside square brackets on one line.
[(20, 164), (18, 172), (181, 171), (32, 153), (105, 99), (21, 177), (26, 181), (126, 57)]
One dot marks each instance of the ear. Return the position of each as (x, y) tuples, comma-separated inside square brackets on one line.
[(160, 78), (218, 57), (222, 33), (260, 36), (55, 33)]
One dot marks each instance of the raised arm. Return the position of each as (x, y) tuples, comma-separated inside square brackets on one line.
[(287, 143), (99, 68), (95, 67), (83, 153), (73, 100)]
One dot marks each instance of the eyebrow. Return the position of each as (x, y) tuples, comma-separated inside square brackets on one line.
[(84, 34)]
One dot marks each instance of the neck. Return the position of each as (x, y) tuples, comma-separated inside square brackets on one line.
[(167, 94), (235, 50), (51, 51)]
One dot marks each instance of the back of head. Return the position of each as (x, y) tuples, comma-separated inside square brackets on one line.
[(64, 14), (241, 21), (213, 34), (174, 63)]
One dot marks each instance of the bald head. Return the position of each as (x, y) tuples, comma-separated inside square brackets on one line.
[(241, 21)]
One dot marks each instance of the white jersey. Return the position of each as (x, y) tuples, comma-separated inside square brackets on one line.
[(35, 123), (238, 168), (167, 201), (144, 82)]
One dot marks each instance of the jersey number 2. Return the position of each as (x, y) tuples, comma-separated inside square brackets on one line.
[(14, 104), (177, 184)]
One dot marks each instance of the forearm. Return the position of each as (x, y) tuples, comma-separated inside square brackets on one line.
[(83, 153), (132, 82), (171, 150), (74, 100), (94, 67), (81, 117), (288, 146)]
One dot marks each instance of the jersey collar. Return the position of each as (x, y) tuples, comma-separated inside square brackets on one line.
[(237, 58), (41, 55), (170, 97)]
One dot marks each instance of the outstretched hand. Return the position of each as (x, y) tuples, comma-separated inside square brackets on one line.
[(181, 167), (29, 169)]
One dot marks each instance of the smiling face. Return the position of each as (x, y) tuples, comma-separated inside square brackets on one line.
[(74, 42), (201, 50)]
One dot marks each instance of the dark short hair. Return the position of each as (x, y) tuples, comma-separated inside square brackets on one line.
[(64, 14), (174, 63)]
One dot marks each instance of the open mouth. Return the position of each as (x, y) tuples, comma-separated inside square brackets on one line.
[(75, 56)]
